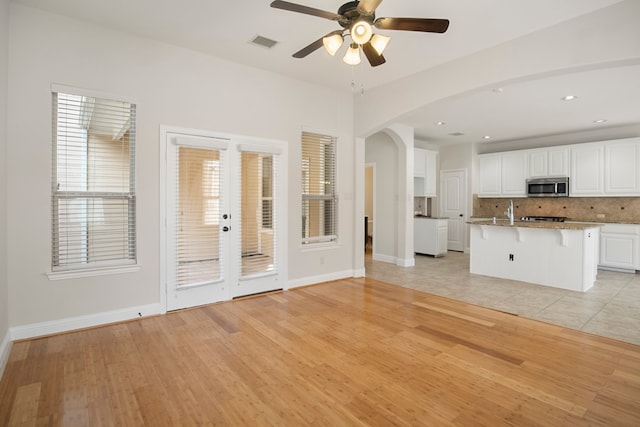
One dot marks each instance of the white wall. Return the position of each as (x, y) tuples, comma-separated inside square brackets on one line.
[(4, 290), (172, 86)]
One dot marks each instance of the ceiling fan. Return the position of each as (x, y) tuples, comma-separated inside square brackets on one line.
[(357, 18)]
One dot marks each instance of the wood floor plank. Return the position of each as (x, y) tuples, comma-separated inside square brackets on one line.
[(356, 352)]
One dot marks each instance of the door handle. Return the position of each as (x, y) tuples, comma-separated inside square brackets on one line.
[(225, 228), (461, 215)]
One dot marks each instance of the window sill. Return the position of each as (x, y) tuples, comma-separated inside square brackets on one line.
[(311, 247), (90, 272)]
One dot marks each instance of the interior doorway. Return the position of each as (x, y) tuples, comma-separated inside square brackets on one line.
[(369, 206)]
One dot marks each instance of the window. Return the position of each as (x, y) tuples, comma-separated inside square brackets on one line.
[(319, 199), (93, 182), (266, 174)]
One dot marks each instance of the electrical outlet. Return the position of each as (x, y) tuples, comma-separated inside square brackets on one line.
[(600, 216), (510, 257)]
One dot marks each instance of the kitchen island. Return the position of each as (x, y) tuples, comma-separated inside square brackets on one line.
[(559, 254)]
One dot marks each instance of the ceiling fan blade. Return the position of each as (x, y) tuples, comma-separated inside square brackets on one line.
[(413, 24), (313, 46), (294, 7), (367, 7), (372, 55)]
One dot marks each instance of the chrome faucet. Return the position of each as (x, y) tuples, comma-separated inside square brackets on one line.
[(510, 212)]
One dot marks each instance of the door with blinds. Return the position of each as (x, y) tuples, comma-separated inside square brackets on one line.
[(223, 215)]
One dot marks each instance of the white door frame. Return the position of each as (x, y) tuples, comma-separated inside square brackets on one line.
[(240, 142)]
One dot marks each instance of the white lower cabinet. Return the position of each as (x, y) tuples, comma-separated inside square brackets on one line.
[(620, 247), (430, 236)]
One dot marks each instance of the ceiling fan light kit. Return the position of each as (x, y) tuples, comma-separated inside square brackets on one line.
[(358, 18), (379, 43), (352, 57), (332, 43), (361, 32)]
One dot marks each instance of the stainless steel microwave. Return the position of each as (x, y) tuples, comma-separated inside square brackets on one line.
[(548, 187)]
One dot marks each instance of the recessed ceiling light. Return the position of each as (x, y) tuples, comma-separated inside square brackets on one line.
[(486, 137), (600, 121), (440, 123), (497, 90), (569, 98)]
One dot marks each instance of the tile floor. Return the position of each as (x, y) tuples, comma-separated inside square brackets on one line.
[(611, 308)]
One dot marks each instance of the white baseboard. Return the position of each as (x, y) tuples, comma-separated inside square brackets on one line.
[(360, 272), (384, 258), (5, 349), (73, 323), (312, 280), (616, 269), (408, 262)]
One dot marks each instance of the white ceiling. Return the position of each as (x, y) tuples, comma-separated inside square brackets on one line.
[(224, 29)]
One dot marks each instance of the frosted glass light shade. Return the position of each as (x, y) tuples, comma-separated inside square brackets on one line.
[(332, 43), (352, 57), (361, 32), (379, 42)]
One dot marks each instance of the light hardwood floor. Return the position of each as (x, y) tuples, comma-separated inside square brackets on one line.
[(356, 352)]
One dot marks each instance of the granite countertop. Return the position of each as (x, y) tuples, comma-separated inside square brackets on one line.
[(567, 225)]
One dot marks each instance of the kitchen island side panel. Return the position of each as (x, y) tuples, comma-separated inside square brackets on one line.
[(561, 258)]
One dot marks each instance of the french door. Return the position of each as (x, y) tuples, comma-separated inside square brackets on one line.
[(224, 215)]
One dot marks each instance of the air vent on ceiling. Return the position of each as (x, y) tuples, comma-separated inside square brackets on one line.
[(456, 134), (263, 42)]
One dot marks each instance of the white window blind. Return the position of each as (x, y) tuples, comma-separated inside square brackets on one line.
[(319, 199), (258, 214), (198, 245), (93, 183)]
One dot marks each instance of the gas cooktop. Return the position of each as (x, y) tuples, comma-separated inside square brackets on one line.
[(543, 218)]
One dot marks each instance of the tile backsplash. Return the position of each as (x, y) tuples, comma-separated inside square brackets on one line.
[(593, 209)]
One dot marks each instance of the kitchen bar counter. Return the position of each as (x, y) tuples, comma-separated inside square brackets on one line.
[(563, 255), (567, 225)]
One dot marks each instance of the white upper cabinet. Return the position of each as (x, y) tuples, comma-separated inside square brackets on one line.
[(622, 167), (424, 172), (610, 168), (430, 173), (558, 159), (587, 174), (514, 174), (502, 174), (548, 162), (595, 169), (490, 175), (419, 162)]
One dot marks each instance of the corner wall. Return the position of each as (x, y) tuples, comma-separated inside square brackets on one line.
[(4, 288)]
